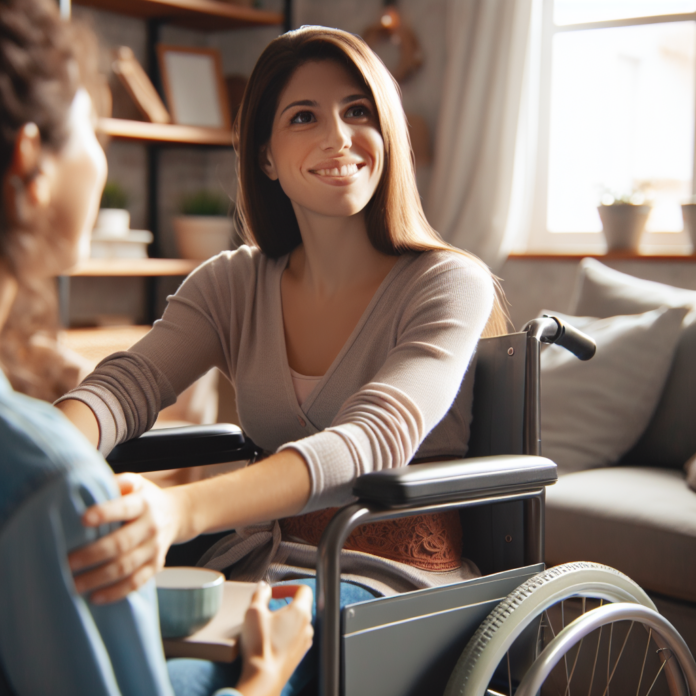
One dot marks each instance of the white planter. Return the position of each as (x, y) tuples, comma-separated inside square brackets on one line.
[(113, 222), (132, 246), (199, 237), (689, 215), (623, 225)]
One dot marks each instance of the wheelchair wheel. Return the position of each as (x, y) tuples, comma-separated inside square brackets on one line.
[(672, 650), (529, 614)]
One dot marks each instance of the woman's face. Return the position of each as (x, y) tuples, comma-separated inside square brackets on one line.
[(62, 199), (326, 148), (79, 178)]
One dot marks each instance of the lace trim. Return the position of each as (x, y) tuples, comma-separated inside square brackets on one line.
[(429, 542)]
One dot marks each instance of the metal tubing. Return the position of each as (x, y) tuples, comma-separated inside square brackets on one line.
[(329, 571), (534, 519), (287, 16), (532, 399)]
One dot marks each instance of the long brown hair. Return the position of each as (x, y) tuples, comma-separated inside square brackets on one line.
[(44, 60), (394, 216)]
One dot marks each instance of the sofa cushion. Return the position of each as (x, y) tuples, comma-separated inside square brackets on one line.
[(670, 437), (639, 520), (593, 412)]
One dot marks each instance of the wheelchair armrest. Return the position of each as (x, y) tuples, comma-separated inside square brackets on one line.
[(177, 448), (453, 480)]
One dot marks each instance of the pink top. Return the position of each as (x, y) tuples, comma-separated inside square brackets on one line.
[(303, 385)]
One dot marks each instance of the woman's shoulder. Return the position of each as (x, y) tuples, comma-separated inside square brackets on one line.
[(39, 444), (241, 264), (447, 266)]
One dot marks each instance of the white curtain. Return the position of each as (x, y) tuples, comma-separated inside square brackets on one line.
[(481, 142)]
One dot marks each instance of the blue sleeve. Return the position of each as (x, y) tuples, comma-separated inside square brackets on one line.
[(53, 640)]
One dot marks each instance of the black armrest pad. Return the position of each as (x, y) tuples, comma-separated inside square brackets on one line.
[(175, 448), (458, 479)]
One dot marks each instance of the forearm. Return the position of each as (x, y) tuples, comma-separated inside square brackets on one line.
[(82, 417), (274, 488)]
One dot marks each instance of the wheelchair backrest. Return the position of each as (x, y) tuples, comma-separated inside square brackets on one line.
[(497, 426)]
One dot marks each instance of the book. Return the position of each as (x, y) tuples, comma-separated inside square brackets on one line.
[(218, 641), (139, 86)]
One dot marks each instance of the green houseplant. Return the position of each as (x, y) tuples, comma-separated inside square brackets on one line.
[(204, 227), (113, 219), (624, 216)]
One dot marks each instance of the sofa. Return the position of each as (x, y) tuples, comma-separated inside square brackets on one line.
[(627, 447)]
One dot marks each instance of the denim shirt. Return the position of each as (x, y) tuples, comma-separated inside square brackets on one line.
[(52, 639)]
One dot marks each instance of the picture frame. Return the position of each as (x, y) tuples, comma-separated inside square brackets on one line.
[(194, 86)]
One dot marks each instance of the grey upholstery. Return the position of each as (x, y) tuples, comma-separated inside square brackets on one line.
[(639, 520), (670, 438)]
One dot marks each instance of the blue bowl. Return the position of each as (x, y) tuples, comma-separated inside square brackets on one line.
[(188, 599)]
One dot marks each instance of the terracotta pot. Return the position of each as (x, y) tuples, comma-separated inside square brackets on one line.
[(623, 225), (199, 237), (689, 215)]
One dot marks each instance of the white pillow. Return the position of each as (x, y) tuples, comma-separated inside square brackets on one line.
[(593, 412)]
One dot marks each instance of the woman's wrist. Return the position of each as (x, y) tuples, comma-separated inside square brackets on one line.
[(185, 512)]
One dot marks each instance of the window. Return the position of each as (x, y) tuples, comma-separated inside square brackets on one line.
[(616, 116)]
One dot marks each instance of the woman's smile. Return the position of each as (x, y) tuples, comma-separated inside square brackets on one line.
[(338, 173)]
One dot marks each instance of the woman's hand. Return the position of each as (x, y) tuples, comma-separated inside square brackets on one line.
[(128, 557), (273, 643)]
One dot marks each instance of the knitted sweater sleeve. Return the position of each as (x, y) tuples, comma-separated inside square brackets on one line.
[(382, 425), (127, 390)]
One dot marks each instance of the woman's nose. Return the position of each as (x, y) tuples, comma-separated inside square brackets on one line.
[(337, 135)]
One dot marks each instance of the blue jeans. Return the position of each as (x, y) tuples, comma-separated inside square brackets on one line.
[(202, 678)]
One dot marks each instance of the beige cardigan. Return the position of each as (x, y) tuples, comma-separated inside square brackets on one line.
[(398, 375)]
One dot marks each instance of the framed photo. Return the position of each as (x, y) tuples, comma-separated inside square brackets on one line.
[(194, 86)]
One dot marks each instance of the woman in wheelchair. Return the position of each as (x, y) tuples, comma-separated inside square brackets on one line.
[(345, 324), (52, 639)]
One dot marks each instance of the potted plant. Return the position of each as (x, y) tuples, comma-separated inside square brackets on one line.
[(624, 216), (204, 227), (113, 219), (689, 214)]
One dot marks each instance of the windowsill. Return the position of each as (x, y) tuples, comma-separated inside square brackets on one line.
[(609, 256)]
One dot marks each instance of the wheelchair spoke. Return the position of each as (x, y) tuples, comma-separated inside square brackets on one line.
[(611, 638), (616, 664), (509, 674), (594, 663), (575, 664), (659, 671), (645, 657)]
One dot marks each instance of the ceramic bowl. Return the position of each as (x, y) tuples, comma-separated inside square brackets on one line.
[(188, 599)]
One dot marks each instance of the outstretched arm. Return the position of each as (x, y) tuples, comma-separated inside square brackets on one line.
[(156, 518)]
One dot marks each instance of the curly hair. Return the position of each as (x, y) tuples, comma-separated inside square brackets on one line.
[(44, 60)]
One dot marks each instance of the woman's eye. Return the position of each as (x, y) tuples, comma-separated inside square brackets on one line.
[(358, 111), (302, 117)]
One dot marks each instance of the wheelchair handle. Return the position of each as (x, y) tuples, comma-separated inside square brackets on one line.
[(550, 329)]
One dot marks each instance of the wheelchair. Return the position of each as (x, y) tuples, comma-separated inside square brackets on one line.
[(519, 628)]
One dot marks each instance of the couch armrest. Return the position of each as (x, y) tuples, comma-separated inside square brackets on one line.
[(458, 479)]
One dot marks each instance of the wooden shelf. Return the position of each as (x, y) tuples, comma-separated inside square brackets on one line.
[(164, 132), (96, 343), (204, 15), (134, 267), (610, 256)]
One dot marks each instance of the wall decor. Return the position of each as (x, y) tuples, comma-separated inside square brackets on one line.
[(194, 86)]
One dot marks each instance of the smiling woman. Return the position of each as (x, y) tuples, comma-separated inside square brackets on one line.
[(346, 326)]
